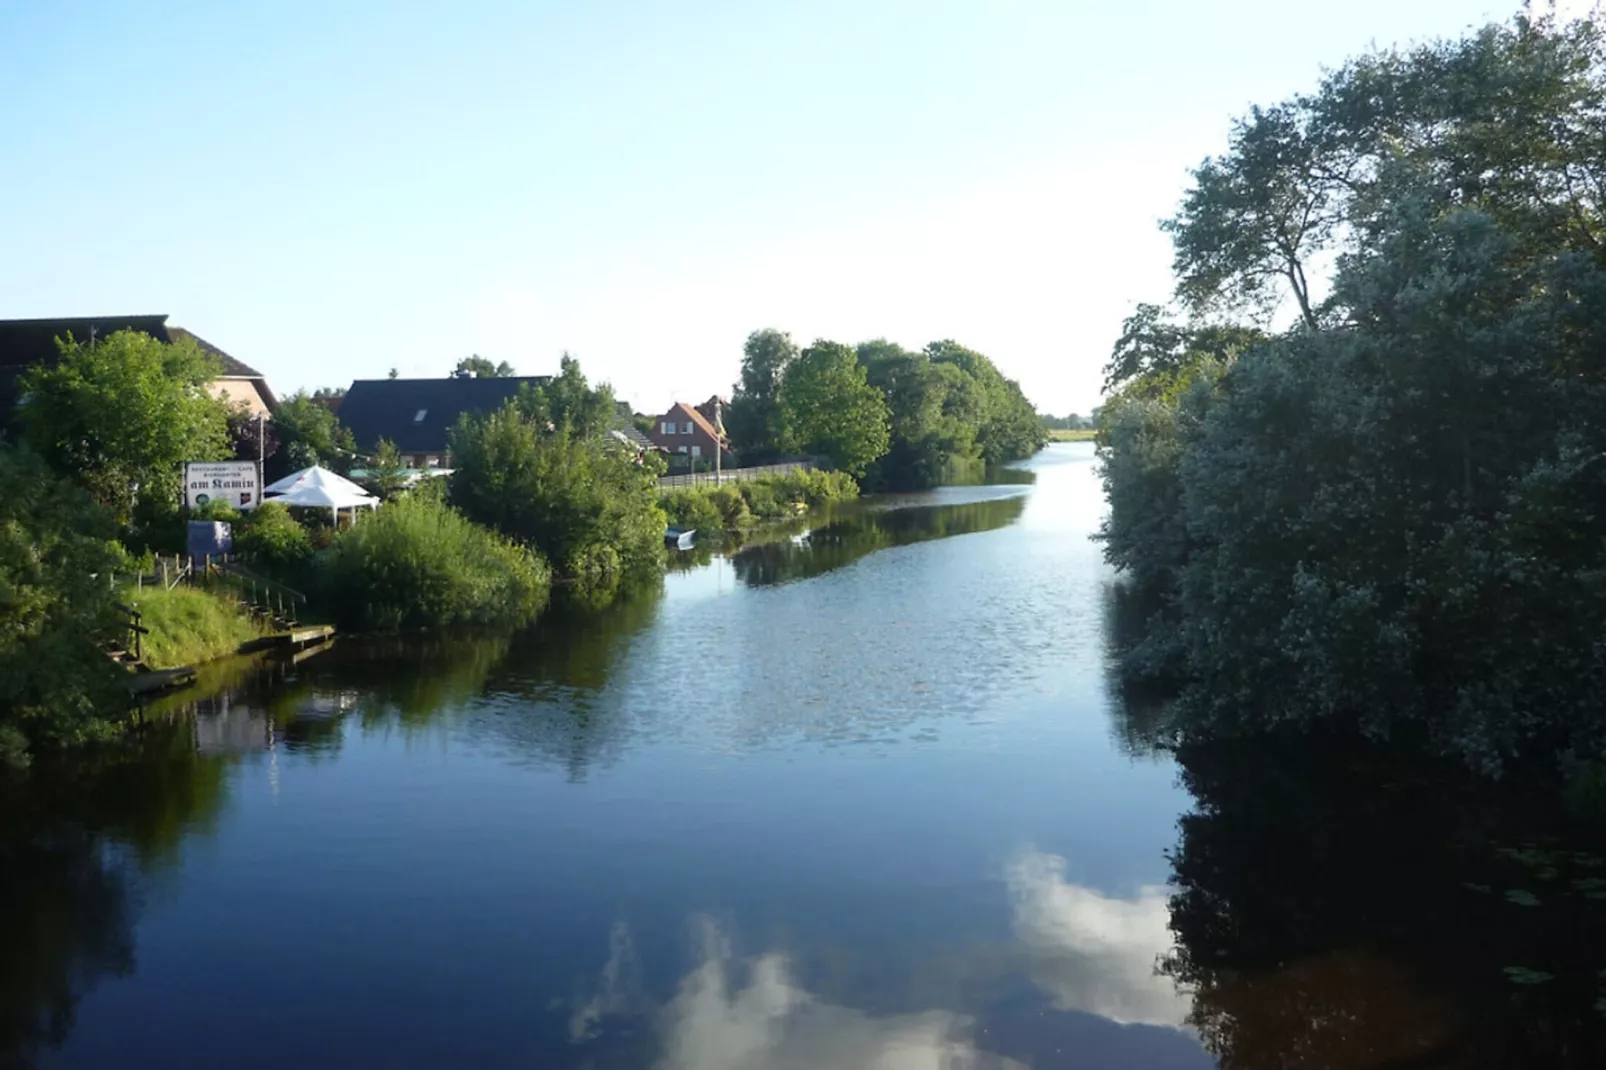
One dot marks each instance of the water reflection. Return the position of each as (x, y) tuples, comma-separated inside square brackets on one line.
[(1351, 906), (75, 844), (729, 1013), (845, 539), (1094, 952)]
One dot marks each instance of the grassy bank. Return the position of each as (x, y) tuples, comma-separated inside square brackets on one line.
[(189, 626), (738, 506), (1068, 435)]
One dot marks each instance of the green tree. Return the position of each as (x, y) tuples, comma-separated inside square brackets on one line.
[(569, 401), (122, 414), (55, 601), (830, 410), (387, 476), (755, 420), (590, 507), (482, 368), (929, 432), (310, 434), (1386, 519), (1007, 427)]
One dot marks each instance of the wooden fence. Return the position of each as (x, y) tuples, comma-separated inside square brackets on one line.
[(735, 475)]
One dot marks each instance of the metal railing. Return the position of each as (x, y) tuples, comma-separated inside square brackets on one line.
[(735, 475)]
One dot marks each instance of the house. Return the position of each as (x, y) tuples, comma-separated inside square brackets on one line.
[(418, 415), (26, 343), (685, 430)]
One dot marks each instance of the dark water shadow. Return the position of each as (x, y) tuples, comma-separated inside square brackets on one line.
[(77, 841), (1351, 905)]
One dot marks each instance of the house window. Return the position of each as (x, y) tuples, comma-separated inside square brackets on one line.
[(431, 462), (680, 449), (686, 430), (418, 419), (696, 451), (669, 428)]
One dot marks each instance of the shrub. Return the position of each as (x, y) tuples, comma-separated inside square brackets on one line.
[(419, 563), (54, 601), (733, 506), (690, 507), (271, 535)]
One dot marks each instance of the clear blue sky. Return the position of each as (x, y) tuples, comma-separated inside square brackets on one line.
[(331, 189)]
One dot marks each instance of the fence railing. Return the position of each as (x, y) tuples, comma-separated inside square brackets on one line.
[(734, 475)]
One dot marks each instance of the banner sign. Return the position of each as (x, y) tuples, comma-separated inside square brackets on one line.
[(234, 482)]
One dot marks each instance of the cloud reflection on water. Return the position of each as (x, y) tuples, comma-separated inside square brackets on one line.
[(1092, 952), (752, 1014)]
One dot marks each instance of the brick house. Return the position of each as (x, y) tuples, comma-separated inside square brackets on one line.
[(686, 434)]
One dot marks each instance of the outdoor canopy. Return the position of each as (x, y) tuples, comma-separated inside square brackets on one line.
[(317, 487)]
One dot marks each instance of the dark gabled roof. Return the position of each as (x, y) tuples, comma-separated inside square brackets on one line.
[(24, 343), (390, 408)]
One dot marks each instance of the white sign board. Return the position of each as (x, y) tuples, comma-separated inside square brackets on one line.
[(234, 482)]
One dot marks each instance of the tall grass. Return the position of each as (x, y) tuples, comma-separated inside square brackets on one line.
[(189, 626), (418, 563)]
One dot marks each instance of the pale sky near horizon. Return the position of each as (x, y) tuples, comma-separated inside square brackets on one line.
[(329, 190)]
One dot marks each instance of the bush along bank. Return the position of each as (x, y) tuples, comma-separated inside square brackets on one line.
[(740, 506), (419, 563)]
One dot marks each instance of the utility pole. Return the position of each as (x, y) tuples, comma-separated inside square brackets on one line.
[(719, 441), (262, 455)]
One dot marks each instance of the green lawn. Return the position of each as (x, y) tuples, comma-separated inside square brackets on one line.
[(1071, 436)]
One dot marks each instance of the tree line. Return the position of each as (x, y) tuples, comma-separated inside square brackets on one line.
[(1384, 516), (891, 417)]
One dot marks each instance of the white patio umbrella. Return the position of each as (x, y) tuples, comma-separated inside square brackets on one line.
[(320, 488)]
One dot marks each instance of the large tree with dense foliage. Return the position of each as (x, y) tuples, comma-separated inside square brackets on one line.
[(568, 400), (755, 421), (120, 415), (309, 434), (1387, 517), (830, 410), (932, 408), (55, 602), (543, 470), (1007, 427)]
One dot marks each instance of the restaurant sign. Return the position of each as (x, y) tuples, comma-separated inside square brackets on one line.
[(235, 482)]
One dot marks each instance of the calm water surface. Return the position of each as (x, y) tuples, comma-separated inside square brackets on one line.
[(855, 797)]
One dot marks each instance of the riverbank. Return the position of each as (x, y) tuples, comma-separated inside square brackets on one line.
[(1086, 434), (754, 503)]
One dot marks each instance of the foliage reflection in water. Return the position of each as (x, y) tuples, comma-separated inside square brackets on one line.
[(889, 816)]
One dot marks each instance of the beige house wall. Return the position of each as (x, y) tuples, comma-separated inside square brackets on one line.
[(236, 392)]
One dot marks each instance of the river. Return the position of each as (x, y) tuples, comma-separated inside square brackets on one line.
[(858, 796)]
